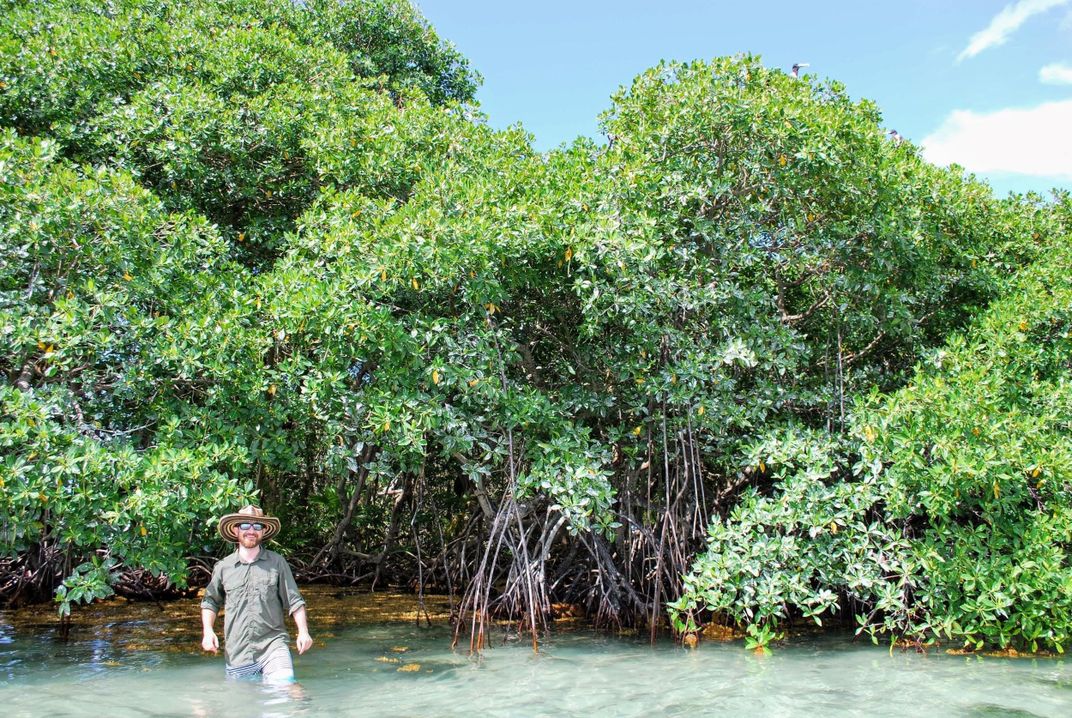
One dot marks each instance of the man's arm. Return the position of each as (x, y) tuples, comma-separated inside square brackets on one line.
[(209, 641), (291, 597), (305, 641), (210, 607)]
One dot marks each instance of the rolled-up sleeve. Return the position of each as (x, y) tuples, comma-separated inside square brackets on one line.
[(289, 594), (213, 597)]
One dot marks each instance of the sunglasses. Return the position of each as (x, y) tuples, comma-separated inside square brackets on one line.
[(248, 526)]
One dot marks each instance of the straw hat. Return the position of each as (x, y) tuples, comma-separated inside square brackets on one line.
[(252, 514)]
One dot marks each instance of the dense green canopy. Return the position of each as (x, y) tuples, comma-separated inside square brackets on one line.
[(947, 508), (267, 250)]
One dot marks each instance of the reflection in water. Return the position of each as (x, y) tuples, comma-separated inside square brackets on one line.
[(144, 660), (267, 701)]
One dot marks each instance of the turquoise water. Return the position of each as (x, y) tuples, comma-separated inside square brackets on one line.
[(151, 666)]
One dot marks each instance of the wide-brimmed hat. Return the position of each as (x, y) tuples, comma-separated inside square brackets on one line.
[(252, 514)]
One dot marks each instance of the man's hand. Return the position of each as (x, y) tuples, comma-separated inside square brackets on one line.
[(209, 642), (305, 641)]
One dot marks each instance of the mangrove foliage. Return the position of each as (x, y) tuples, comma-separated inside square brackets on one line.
[(747, 358)]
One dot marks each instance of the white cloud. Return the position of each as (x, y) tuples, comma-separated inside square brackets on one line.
[(1005, 23), (1056, 73), (1033, 141)]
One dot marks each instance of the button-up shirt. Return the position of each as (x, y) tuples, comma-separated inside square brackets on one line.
[(256, 598)]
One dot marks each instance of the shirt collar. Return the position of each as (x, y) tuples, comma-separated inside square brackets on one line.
[(236, 558)]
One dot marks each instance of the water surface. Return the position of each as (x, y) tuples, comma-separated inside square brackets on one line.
[(372, 659)]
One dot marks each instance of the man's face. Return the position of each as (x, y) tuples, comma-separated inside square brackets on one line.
[(248, 536)]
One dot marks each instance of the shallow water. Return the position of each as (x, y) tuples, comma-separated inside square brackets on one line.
[(144, 660)]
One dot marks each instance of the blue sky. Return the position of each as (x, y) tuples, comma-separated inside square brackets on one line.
[(986, 84)]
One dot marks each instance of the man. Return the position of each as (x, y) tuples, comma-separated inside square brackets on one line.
[(257, 589)]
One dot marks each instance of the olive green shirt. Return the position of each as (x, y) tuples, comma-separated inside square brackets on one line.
[(256, 597)]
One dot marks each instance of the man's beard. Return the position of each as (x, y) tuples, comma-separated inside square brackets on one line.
[(249, 540)]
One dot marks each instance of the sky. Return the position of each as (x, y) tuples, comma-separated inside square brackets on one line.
[(981, 83)]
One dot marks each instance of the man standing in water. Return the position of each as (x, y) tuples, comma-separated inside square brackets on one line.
[(257, 590)]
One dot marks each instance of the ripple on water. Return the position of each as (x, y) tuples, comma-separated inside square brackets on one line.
[(986, 710), (145, 660)]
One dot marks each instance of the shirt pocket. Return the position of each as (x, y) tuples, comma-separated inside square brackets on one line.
[(265, 582), (234, 588)]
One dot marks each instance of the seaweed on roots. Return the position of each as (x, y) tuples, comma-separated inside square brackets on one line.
[(521, 575), (529, 563), (524, 591), (624, 579), (31, 576)]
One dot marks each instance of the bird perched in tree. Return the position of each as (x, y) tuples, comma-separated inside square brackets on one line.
[(796, 68), (895, 136)]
